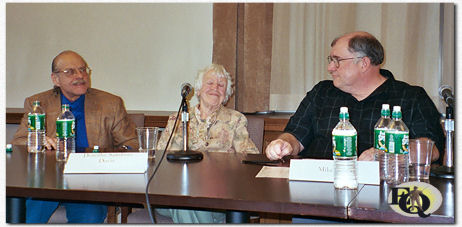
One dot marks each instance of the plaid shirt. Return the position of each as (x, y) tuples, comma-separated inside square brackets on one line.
[(318, 114)]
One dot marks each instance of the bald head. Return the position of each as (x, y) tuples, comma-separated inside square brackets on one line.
[(60, 55), (365, 44), (70, 73)]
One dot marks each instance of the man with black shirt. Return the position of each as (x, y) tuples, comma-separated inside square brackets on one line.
[(359, 84)]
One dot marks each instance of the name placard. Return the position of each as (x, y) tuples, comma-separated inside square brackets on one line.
[(131, 182), (120, 162), (323, 170)]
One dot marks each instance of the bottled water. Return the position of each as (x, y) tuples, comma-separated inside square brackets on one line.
[(381, 127), (65, 133), (397, 146), (36, 129), (344, 142), (379, 140)]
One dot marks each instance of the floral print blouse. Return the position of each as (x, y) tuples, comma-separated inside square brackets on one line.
[(223, 131)]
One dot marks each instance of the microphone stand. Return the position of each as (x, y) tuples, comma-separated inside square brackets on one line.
[(185, 119), (447, 169), (186, 155)]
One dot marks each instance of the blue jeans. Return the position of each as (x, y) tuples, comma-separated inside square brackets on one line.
[(39, 211)]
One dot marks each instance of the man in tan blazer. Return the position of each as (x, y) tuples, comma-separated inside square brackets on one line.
[(101, 119)]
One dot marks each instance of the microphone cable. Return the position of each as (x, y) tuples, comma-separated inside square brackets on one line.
[(148, 204)]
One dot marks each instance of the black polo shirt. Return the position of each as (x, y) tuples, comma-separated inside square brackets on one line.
[(318, 113)]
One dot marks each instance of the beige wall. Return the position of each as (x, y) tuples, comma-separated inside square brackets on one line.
[(141, 52)]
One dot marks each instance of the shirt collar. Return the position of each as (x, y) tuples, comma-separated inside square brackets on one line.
[(76, 105), (387, 74), (385, 85), (210, 119)]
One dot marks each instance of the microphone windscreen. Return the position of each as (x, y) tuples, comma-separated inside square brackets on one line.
[(185, 89), (444, 89)]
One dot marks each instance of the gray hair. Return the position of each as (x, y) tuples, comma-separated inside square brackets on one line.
[(221, 72), (366, 45)]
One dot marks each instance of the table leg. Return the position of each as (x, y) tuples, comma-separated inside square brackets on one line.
[(111, 215), (237, 217), (15, 210)]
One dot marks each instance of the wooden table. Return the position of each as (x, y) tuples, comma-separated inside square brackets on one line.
[(371, 205), (220, 181)]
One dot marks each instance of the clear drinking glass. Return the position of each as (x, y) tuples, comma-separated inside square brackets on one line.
[(420, 154), (147, 139)]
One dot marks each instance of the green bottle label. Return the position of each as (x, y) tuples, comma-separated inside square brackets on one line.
[(397, 142), (36, 122), (344, 146), (379, 139), (65, 128)]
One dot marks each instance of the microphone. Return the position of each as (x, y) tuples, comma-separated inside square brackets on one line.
[(186, 155), (445, 92), (185, 89)]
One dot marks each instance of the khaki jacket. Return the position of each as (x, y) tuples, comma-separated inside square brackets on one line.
[(106, 120), (224, 131)]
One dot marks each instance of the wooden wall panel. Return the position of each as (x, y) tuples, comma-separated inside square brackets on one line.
[(255, 27), (242, 35), (224, 40)]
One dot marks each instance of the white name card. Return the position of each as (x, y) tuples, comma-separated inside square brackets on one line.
[(122, 182), (323, 170), (120, 162)]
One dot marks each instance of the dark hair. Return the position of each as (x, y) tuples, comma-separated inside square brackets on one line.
[(366, 45), (56, 90), (53, 64)]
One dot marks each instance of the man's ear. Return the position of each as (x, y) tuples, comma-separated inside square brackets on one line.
[(365, 63), (55, 79)]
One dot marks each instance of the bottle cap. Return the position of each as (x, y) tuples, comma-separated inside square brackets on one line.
[(396, 112), (95, 149), (385, 106), (343, 113), (9, 148)]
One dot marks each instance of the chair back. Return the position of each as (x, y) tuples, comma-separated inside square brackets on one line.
[(256, 126), (137, 118)]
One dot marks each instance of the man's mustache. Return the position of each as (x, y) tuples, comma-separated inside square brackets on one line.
[(78, 82)]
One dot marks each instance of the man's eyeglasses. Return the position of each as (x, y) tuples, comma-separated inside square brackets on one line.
[(70, 72), (338, 60)]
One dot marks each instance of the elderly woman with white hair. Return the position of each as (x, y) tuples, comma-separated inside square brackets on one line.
[(212, 127)]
